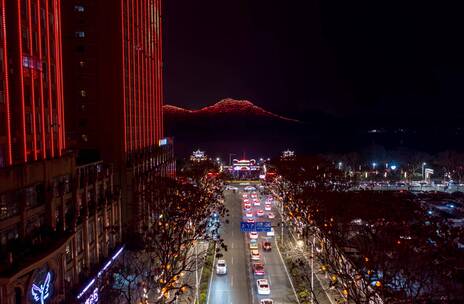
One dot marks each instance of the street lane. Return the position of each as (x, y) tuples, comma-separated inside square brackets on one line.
[(239, 285), (232, 288), (281, 289)]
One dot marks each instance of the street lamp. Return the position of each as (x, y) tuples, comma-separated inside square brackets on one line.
[(374, 164), (423, 170)]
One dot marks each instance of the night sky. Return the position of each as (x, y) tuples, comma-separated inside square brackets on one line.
[(399, 61)]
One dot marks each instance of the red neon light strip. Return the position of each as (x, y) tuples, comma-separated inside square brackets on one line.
[(139, 71), (41, 74), (21, 76), (142, 73), (134, 39), (155, 67), (31, 73), (7, 91), (130, 50), (150, 67), (147, 74), (60, 73), (50, 96), (161, 86), (123, 43), (155, 75), (157, 71)]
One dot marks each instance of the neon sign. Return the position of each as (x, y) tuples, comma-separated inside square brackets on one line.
[(93, 298), (99, 275), (42, 292)]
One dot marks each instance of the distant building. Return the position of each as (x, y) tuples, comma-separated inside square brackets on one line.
[(287, 155), (198, 156)]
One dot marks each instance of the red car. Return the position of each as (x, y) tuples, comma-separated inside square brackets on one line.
[(267, 246), (258, 269), (260, 213)]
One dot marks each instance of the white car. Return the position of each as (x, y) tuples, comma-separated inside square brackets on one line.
[(249, 214), (267, 207), (260, 212), (255, 256), (270, 233), (221, 267), (256, 202), (253, 244), (253, 235), (266, 301), (271, 215), (263, 287)]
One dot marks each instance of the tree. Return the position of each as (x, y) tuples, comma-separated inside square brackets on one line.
[(161, 256)]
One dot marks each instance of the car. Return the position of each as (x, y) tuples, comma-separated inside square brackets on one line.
[(253, 235), (250, 188), (254, 195), (267, 246), (221, 267), (258, 269), (249, 214), (271, 215), (245, 200), (267, 207), (255, 256), (266, 301), (244, 195), (270, 233), (260, 212), (250, 220), (256, 202), (253, 244), (263, 287), (247, 206)]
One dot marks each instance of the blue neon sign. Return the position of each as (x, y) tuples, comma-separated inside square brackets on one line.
[(41, 292)]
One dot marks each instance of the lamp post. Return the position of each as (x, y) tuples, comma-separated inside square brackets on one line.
[(423, 170), (230, 158)]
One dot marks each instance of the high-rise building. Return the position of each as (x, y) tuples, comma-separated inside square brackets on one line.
[(113, 58), (58, 220), (113, 61)]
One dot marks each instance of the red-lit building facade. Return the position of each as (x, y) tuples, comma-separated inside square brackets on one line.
[(31, 101), (58, 219), (113, 55)]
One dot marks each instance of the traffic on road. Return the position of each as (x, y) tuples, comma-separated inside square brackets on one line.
[(252, 269)]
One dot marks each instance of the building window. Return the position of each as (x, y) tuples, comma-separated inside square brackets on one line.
[(69, 253), (79, 34), (91, 232), (79, 8), (82, 63), (79, 240), (83, 93)]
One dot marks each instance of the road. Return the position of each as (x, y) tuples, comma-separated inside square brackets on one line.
[(239, 285), (232, 288)]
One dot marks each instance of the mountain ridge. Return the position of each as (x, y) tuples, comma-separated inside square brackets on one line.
[(226, 106)]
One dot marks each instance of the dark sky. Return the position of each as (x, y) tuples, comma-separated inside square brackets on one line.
[(398, 61)]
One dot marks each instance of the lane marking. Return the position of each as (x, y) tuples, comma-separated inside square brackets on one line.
[(288, 275), (232, 281), (211, 278), (232, 245), (232, 260)]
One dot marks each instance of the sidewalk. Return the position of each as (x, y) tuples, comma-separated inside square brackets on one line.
[(322, 291), (189, 296)]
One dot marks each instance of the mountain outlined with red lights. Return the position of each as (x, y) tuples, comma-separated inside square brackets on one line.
[(226, 106)]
